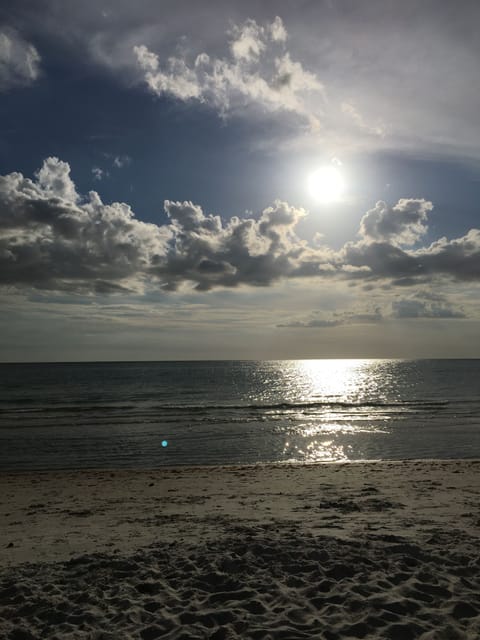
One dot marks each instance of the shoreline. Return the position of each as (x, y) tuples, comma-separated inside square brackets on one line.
[(382, 549), (235, 465)]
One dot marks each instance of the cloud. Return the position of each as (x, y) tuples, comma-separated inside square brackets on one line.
[(118, 162), (54, 180), (320, 321), (243, 251), (421, 304), (248, 41), (379, 253), (258, 72), (278, 33), (313, 323), (406, 80), (383, 231), (98, 173), (459, 258), (121, 161), (52, 237), (352, 113), (19, 61), (412, 308), (380, 260), (402, 224)]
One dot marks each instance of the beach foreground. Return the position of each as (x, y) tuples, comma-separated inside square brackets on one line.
[(366, 550)]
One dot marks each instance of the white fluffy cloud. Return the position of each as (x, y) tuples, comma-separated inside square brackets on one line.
[(402, 224), (258, 71), (55, 182), (278, 33), (19, 61), (51, 237), (248, 41)]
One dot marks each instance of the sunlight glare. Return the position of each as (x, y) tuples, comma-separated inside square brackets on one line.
[(326, 184)]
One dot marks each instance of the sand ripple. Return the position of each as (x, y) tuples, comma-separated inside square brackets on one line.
[(259, 582)]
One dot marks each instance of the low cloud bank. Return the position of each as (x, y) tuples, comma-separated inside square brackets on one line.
[(421, 304)]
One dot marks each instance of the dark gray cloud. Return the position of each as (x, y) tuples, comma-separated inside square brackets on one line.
[(402, 224), (243, 251), (381, 260), (458, 259), (53, 238)]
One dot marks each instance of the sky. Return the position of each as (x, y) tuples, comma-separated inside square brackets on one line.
[(225, 179)]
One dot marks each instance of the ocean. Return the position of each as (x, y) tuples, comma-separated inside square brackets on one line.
[(151, 414)]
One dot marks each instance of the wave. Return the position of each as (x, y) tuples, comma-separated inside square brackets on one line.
[(201, 408)]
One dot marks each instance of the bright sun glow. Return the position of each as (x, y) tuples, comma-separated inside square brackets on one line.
[(326, 184)]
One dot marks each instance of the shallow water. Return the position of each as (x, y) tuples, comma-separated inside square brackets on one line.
[(120, 414)]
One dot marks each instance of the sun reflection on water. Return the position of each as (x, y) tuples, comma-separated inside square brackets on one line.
[(330, 428), (332, 390), (335, 379), (316, 451)]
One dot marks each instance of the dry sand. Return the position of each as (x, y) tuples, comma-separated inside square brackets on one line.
[(386, 550)]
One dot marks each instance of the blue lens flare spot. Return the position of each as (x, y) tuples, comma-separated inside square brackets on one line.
[(164, 443)]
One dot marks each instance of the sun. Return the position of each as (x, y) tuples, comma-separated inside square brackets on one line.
[(326, 184)]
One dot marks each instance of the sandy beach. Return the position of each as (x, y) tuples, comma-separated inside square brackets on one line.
[(387, 550)]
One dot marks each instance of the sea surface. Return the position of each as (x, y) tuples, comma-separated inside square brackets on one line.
[(150, 414)]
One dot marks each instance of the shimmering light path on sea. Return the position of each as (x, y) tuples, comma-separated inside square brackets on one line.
[(149, 414)]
